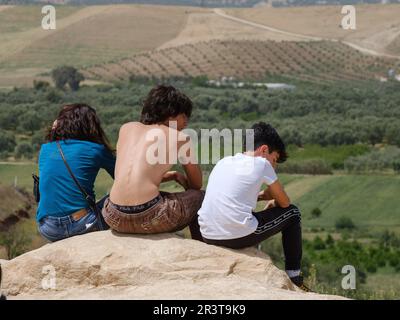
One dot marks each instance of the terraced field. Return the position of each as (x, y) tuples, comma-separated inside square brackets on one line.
[(250, 59), (377, 26)]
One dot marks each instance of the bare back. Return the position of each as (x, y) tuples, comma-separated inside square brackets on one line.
[(137, 173)]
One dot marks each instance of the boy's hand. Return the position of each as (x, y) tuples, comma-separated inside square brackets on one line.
[(264, 195), (181, 179), (270, 204)]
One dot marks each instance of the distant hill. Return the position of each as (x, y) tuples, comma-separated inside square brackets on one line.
[(206, 3), (28, 53), (201, 3)]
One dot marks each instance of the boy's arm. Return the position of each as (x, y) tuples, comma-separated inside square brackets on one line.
[(190, 165), (264, 195), (194, 176), (176, 176), (279, 195)]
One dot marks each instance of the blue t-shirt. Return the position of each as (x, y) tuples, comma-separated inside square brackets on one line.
[(59, 195)]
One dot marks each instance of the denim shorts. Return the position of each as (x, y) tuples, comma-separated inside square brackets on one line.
[(58, 228)]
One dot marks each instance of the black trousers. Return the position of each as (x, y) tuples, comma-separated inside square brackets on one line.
[(270, 222)]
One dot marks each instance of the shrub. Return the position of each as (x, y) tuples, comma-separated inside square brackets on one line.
[(396, 166), (344, 223), (306, 167), (316, 213), (40, 85), (53, 96), (318, 243), (15, 241), (24, 150), (7, 142), (376, 160), (329, 240)]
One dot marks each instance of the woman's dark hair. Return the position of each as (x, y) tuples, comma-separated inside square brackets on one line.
[(265, 134), (163, 102), (80, 122)]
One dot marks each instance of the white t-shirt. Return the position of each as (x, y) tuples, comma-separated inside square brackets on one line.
[(231, 196)]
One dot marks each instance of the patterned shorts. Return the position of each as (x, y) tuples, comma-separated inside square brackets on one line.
[(173, 212)]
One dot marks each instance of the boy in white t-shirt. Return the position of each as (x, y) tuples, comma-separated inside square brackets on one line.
[(227, 216)]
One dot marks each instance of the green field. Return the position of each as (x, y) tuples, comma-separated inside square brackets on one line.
[(371, 201)]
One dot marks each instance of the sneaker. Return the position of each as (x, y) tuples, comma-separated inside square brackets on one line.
[(299, 282)]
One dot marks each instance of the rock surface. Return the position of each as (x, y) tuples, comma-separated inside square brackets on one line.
[(107, 265)]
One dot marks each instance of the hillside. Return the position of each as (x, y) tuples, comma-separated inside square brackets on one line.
[(211, 3), (370, 201), (317, 60), (377, 26), (28, 52)]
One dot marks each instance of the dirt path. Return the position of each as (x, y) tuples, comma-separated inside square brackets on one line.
[(207, 25), (222, 14)]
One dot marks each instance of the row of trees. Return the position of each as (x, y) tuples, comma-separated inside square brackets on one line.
[(376, 160), (324, 115)]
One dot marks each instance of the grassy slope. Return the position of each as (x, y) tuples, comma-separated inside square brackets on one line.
[(369, 200)]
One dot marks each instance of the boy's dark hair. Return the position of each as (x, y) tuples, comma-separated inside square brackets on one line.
[(265, 134), (163, 102)]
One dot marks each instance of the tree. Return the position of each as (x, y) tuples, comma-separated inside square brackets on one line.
[(24, 150), (30, 121), (7, 142), (316, 212), (344, 223), (10, 119), (396, 166), (37, 140), (329, 240), (67, 75)]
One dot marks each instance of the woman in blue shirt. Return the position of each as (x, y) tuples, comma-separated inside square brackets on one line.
[(63, 211)]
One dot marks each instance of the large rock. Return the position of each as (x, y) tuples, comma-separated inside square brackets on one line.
[(106, 265)]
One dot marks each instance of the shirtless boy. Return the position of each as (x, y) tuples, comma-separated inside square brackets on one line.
[(136, 204)]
